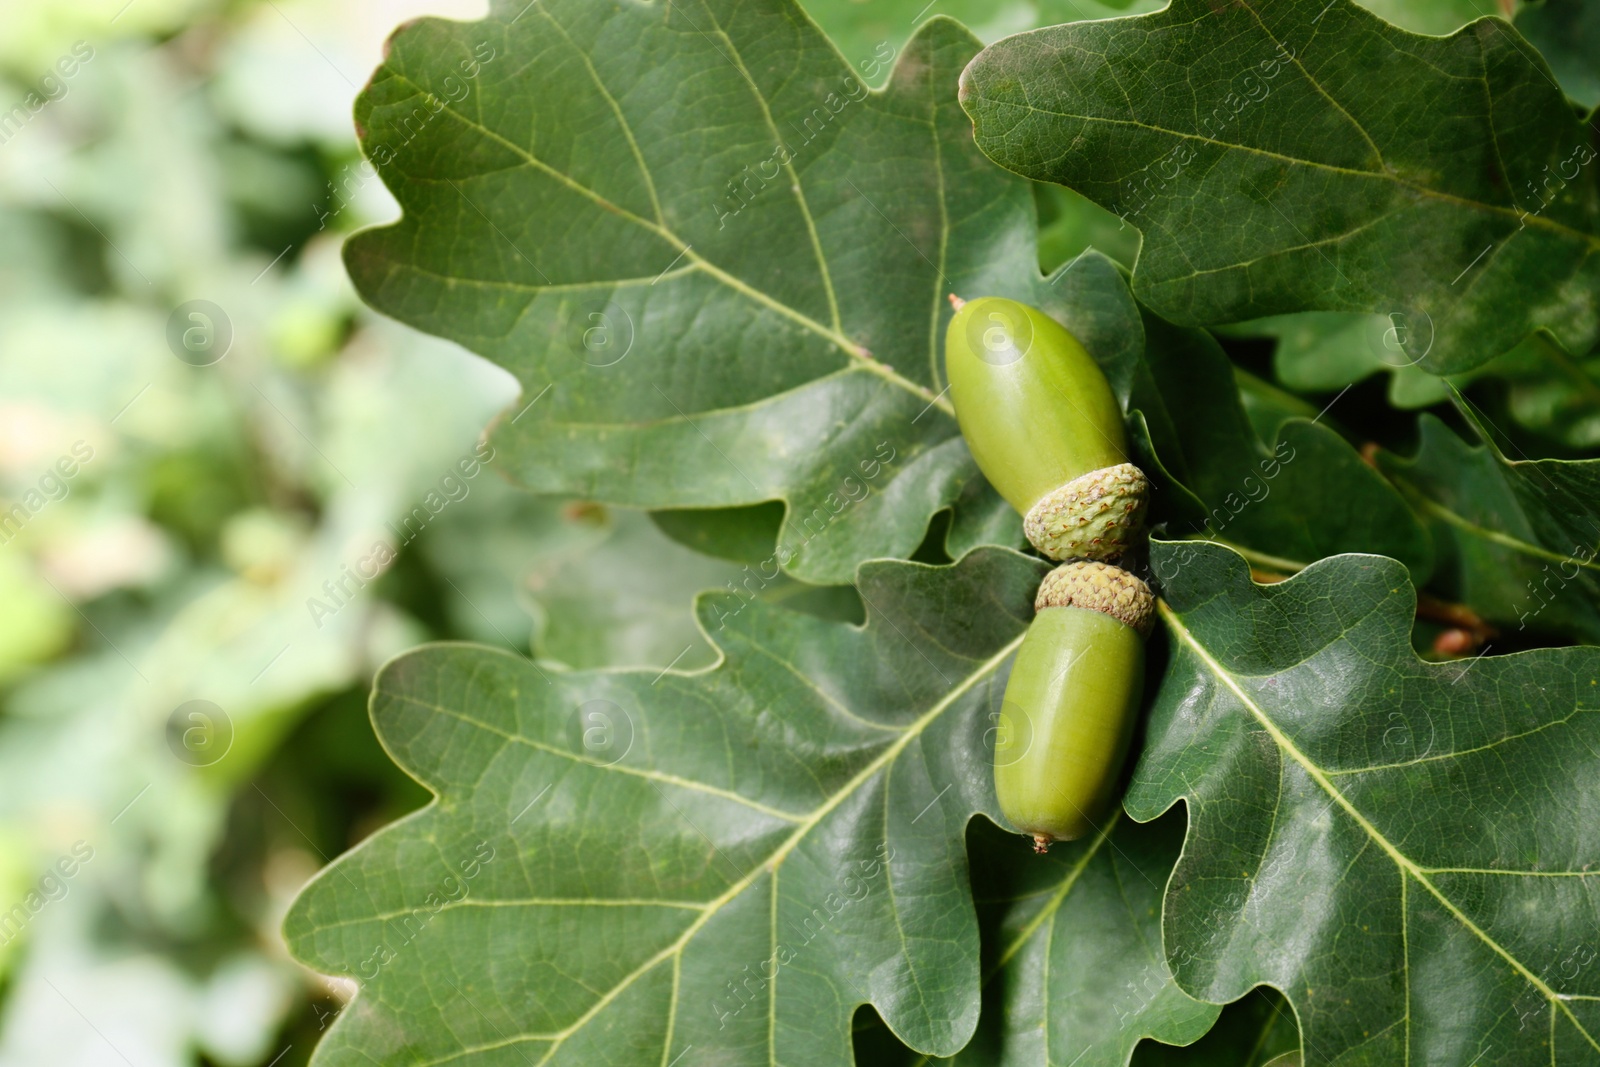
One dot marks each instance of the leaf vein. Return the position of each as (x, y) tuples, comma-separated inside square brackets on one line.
[(889, 754), (638, 772), (848, 347), (1406, 864)]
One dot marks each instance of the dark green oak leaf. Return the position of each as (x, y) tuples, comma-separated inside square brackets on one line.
[(1518, 539), (867, 31), (1268, 406), (616, 858), (1306, 495), (1066, 982), (1258, 1030), (1306, 155), (715, 262), (1073, 966), (1401, 847)]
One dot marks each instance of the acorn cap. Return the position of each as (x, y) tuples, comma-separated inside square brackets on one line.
[(1099, 587), (1095, 516)]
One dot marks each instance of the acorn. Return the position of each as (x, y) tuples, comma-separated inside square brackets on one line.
[(1072, 701), (1040, 420)]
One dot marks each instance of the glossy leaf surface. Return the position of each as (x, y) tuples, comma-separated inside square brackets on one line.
[(624, 864), (1399, 846), (716, 262), (1260, 149)]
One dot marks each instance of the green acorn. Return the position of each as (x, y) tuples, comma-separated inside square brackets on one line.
[(1045, 429), (1072, 701)]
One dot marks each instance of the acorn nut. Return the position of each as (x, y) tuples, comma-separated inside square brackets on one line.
[(1072, 701), (1045, 429)]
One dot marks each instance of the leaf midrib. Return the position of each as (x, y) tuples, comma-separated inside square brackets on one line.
[(1504, 540), (1538, 221), (1295, 59), (1408, 868), (1385, 173), (1060, 895)]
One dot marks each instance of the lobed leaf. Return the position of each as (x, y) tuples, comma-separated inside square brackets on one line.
[(1399, 846), (1306, 155), (1073, 958), (1567, 34), (717, 264), (622, 865)]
